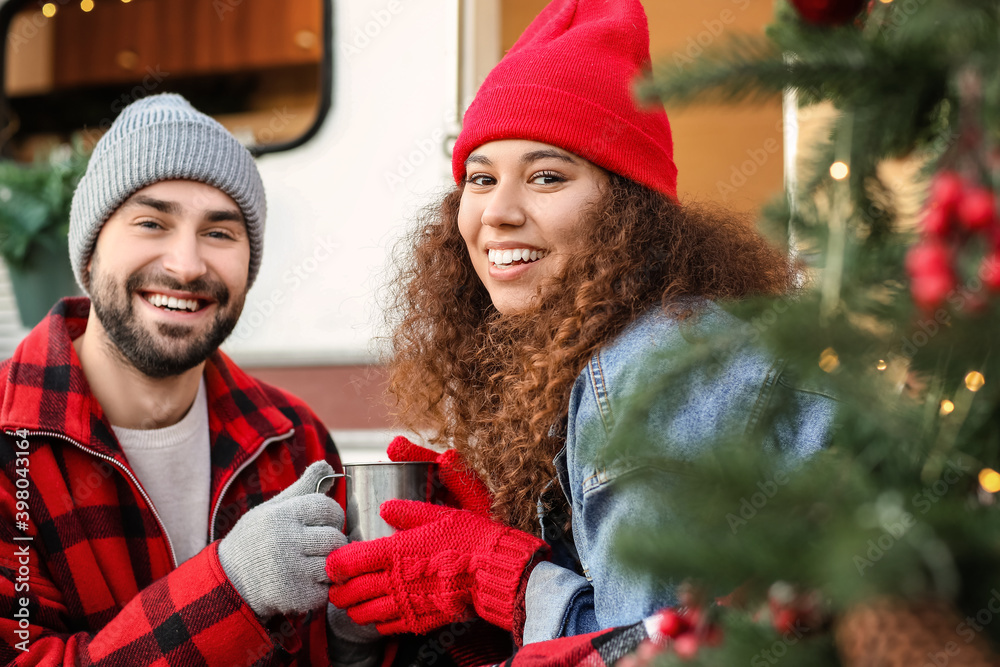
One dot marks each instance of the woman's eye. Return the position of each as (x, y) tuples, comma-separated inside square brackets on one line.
[(480, 179), (547, 178)]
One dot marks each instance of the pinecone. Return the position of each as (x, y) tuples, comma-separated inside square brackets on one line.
[(905, 633)]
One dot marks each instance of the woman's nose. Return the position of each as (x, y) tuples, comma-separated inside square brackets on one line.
[(505, 206)]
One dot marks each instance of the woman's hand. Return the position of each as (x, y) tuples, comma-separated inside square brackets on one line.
[(464, 488), (441, 565)]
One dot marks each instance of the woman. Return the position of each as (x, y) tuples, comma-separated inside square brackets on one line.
[(557, 279)]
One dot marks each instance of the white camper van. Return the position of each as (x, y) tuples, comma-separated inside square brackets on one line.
[(352, 107)]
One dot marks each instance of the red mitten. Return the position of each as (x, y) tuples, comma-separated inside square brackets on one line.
[(464, 486), (428, 574)]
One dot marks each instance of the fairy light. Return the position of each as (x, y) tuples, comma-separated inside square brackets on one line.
[(86, 5), (828, 360), (839, 170), (49, 10), (881, 365), (989, 479), (974, 381), (947, 407)]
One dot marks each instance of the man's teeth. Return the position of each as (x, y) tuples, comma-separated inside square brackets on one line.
[(164, 301), (507, 257)]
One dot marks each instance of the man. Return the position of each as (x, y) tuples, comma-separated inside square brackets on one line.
[(130, 444)]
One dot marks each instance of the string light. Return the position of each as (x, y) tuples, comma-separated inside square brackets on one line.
[(839, 171), (974, 381), (48, 10), (947, 407), (86, 5), (989, 479), (828, 360), (882, 365)]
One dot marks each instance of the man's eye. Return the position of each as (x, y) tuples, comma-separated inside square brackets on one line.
[(221, 235), (149, 224)]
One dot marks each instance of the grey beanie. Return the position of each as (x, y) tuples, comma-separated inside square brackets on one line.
[(159, 138)]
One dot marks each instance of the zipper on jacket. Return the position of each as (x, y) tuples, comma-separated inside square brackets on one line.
[(225, 487), (135, 480)]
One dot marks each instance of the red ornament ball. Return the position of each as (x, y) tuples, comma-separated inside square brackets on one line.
[(828, 12)]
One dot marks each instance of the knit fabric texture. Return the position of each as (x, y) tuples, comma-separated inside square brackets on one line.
[(568, 82), (159, 138), (440, 563), (462, 487)]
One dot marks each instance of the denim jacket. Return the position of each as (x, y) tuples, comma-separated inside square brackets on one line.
[(583, 589)]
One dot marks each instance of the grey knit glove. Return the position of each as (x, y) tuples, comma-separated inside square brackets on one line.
[(351, 645), (276, 554)]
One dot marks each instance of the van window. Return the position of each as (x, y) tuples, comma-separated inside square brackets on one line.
[(261, 67)]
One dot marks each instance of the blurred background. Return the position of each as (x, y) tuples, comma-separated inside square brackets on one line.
[(352, 107)]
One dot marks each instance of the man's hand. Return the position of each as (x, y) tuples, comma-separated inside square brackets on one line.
[(275, 555)]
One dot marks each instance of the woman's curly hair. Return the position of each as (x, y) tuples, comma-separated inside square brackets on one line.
[(496, 387)]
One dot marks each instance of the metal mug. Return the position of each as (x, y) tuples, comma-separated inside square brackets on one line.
[(371, 484)]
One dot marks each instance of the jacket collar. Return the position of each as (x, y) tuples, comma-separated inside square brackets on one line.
[(46, 390)]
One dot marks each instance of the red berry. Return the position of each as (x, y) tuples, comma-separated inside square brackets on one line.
[(646, 652), (672, 624), (989, 272), (947, 190), (937, 221), (686, 646), (784, 620), (929, 257), (827, 12), (977, 210), (930, 290)]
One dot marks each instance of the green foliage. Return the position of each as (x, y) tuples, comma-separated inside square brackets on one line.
[(893, 507), (36, 201)]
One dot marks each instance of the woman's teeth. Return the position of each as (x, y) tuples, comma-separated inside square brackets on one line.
[(164, 301), (508, 257)]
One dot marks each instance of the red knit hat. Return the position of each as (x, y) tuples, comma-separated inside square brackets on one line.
[(568, 82)]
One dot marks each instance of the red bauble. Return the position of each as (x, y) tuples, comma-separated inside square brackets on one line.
[(828, 12), (977, 210)]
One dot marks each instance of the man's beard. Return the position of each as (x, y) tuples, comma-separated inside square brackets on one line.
[(115, 309)]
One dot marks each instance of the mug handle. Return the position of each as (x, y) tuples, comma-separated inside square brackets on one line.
[(323, 479)]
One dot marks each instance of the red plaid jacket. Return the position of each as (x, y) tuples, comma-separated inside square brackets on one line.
[(87, 576)]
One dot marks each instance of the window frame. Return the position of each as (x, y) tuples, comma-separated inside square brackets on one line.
[(11, 8)]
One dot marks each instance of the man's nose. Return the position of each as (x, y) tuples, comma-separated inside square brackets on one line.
[(183, 258)]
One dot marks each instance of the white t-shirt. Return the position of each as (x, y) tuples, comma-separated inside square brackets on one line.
[(174, 466)]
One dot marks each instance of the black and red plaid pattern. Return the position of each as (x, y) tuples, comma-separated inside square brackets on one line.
[(100, 586), (598, 649)]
